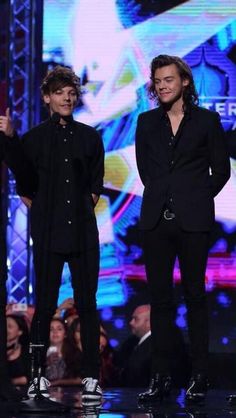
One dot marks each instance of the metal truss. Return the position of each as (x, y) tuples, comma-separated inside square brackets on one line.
[(23, 18)]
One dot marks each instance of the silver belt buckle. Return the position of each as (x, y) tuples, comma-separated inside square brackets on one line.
[(168, 215)]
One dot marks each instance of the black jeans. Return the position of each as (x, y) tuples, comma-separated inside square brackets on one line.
[(161, 247), (84, 268)]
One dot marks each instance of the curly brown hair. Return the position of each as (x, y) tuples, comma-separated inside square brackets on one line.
[(190, 95), (58, 78)]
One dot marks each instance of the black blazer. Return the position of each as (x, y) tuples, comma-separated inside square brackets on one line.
[(197, 172), (88, 168)]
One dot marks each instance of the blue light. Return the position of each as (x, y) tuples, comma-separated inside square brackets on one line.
[(106, 314), (225, 340), (119, 323), (180, 320), (182, 310), (114, 343), (223, 300)]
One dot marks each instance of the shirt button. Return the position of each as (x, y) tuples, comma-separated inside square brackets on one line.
[(71, 132), (66, 160), (68, 201), (172, 162), (170, 144), (65, 140), (171, 200), (64, 127), (67, 181), (69, 222)]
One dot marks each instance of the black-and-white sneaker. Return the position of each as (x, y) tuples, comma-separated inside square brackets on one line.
[(43, 387), (91, 391)]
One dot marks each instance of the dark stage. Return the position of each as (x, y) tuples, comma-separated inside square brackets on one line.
[(122, 403)]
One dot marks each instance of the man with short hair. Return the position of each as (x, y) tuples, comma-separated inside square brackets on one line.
[(183, 163), (140, 322), (69, 159), (138, 364)]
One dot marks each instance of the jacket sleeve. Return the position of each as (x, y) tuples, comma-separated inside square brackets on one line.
[(20, 165), (30, 146), (141, 150), (219, 156), (97, 166)]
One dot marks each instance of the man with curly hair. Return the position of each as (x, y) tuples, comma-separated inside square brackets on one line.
[(183, 163), (69, 159)]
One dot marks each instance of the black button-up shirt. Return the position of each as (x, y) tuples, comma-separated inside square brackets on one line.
[(63, 236), (170, 141)]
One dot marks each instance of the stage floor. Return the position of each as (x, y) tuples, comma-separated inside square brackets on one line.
[(122, 403)]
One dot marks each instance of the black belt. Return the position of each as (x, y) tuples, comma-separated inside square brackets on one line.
[(168, 215)]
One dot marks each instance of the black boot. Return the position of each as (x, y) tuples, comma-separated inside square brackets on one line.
[(232, 399), (197, 389), (159, 388)]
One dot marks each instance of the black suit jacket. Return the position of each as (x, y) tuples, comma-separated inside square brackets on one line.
[(195, 175), (88, 169), (137, 371)]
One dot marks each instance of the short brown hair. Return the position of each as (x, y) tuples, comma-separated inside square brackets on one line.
[(58, 78), (190, 95)]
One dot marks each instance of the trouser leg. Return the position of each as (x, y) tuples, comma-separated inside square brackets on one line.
[(84, 270), (159, 254), (48, 281), (193, 250)]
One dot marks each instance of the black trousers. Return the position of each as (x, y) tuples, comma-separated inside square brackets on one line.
[(161, 247), (84, 268)]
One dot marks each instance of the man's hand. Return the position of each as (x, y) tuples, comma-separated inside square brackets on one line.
[(6, 124), (26, 201)]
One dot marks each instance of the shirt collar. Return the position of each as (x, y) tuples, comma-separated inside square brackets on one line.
[(144, 337), (55, 119), (163, 113)]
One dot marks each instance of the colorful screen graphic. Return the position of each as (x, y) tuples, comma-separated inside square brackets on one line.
[(110, 45)]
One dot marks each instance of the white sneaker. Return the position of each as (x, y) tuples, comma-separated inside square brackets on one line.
[(91, 391), (43, 387)]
